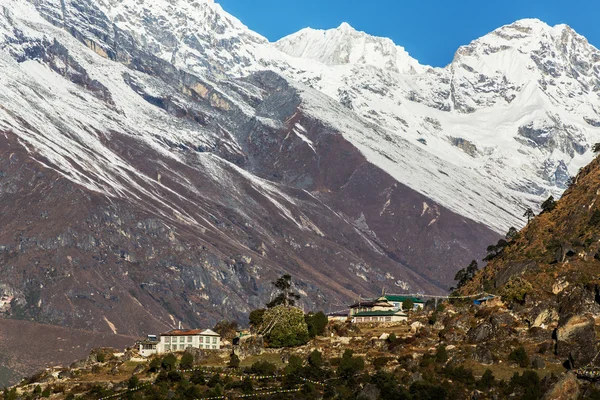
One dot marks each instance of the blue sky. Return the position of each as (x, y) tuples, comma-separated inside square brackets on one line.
[(430, 30)]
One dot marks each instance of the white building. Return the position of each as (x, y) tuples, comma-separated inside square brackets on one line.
[(179, 340)]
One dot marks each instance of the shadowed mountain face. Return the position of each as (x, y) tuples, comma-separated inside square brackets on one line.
[(135, 194)]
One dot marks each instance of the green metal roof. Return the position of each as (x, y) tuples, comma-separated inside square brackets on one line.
[(402, 298), (378, 313)]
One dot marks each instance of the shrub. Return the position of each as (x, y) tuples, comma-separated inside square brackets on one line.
[(198, 378), (408, 305), (133, 382), (349, 365), (174, 376), (46, 392), (316, 324), (234, 361), (169, 362), (315, 359), (101, 357), (263, 368), (256, 317), (155, 364), (441, 355), (380, 362), (247, 387), (515, 290), (422, 390), (460, 374), (187, 361), (392, 338), (528, 385), (519, 356), (595, 218), (487, 380)]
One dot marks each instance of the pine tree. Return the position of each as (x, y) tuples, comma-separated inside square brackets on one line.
[(529, 214), (286, 296)]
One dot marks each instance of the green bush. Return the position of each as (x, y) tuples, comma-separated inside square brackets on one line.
[(422, 390), (263, 368), (46, 392), (256, 317), (315, 359), (234, 361), (441, 355), (247, 387), (349, 365), (408, 305), (316, 324), (198, 378), (133, 382), (515, 290), (380, 362), (169, 362), (519, 356), (487, 380), (187, 361), (528, 385)]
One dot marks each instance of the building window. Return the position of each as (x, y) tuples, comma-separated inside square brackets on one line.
[(190, 339), (388, 318), (167, 347), (181, 346), (167, 339), (214, 347), (214, 340), (181, 339), (201, 339)]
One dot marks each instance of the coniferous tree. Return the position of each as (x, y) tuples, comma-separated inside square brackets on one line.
[(549, 204), (529, 214), (286, 296)]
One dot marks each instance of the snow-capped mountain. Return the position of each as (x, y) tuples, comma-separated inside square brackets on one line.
[(497, 130)]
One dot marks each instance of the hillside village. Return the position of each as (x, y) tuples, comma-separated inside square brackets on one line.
[(457, 349)]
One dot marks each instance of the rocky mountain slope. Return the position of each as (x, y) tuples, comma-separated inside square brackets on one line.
[(548, 273)]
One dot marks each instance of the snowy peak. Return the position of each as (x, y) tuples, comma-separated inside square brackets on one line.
[(346, 46)]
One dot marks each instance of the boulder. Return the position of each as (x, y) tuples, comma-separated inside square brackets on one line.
[(542, 317), (577, 300), (483, 355), (576, 340), (538, 362), (416, 377), (567, 388), (369, 392), (416, 326), (481, 333), (199, 355), (539, 334)]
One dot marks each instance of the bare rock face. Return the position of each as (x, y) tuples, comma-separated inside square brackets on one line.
[(567, 388), (576, 340), (481, 333)]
